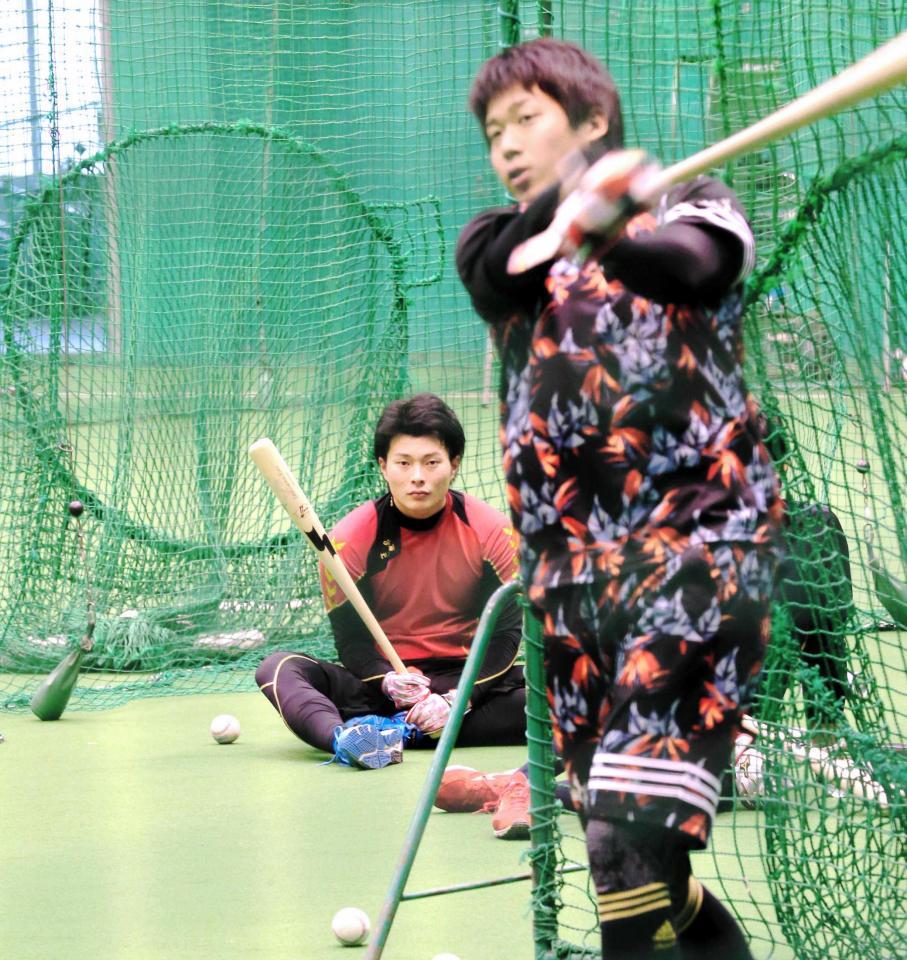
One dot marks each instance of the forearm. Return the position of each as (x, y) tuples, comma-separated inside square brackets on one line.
[(484, 248), (503, 648), (678, 263), (355, 646)]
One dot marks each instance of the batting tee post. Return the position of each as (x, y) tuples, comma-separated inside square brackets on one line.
[(541, 788)]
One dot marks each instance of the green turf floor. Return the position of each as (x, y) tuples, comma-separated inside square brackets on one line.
[(129, 834)]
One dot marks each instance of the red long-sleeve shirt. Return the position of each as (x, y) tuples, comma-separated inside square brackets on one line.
[(427, 582)]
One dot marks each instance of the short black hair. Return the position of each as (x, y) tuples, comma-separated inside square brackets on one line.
[(566, 72), (422, 415)]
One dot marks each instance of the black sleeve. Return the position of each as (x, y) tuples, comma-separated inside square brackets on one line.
[(703, 247), (355, 646), (678, 263), (484, 248), (504, 643)]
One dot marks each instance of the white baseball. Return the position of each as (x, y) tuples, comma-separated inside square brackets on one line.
[(351, 926), (225, 728), (445, 956)]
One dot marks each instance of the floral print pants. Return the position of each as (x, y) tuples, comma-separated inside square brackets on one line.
[(648, 674)]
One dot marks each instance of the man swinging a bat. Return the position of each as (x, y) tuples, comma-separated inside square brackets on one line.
[(426, 559), (644, 498)]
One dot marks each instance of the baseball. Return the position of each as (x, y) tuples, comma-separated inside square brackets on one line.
[(445, 956), (225, 728), (351, 926)]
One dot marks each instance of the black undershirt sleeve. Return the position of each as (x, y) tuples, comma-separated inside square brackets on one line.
[(355, 645), (680, 262), (484, 248), (504, 643)]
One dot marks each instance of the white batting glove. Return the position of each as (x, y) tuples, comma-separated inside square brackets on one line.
[(451, 695), (430, 714), (615, 188), (405, 689), (612, 191)]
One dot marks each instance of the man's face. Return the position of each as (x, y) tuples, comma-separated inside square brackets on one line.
[(529, 135), (418, 471)]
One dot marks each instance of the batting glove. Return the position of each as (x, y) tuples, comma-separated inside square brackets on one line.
[(616, 188), (430, 714), (451, 695), (610, 193), (405, 689)]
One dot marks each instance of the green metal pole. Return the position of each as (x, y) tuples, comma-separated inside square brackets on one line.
[(481, 884), (442, 754), (510, 22), (543, 853)]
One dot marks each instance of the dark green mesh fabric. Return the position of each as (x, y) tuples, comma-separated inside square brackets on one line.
[(229, 220)]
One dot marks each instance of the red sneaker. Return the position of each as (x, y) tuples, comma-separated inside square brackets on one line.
[(511, 819), (464, 790)]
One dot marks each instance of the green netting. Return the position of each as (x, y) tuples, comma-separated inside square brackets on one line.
[(206, 310), (227, 220)]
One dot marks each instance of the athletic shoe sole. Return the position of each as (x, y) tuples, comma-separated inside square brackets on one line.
[(518, 830), (371, 749)]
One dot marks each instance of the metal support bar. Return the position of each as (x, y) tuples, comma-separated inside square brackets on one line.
[(479, 884), (442, 755), (541, 792)]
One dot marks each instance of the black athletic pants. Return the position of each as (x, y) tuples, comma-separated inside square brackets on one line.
[(314, 696)]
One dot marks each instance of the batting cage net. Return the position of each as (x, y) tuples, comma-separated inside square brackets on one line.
[(228, 220)]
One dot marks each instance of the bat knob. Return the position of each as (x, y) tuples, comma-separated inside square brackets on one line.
[(76, 508)]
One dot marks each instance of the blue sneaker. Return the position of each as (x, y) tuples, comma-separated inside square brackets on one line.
[(411, 733), (366, 745)]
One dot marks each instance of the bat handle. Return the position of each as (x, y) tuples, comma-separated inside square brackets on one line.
[(87, 641), (398, 666)]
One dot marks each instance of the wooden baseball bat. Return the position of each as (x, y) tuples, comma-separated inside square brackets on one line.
[(879, 71), (280, 478)]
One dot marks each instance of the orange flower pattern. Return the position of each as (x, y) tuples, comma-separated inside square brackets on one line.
[(648, 514), (650, 683), (626, 420)]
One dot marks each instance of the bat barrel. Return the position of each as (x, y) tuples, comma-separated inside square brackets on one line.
[(876, 73), (50, 699), (280, 479)]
